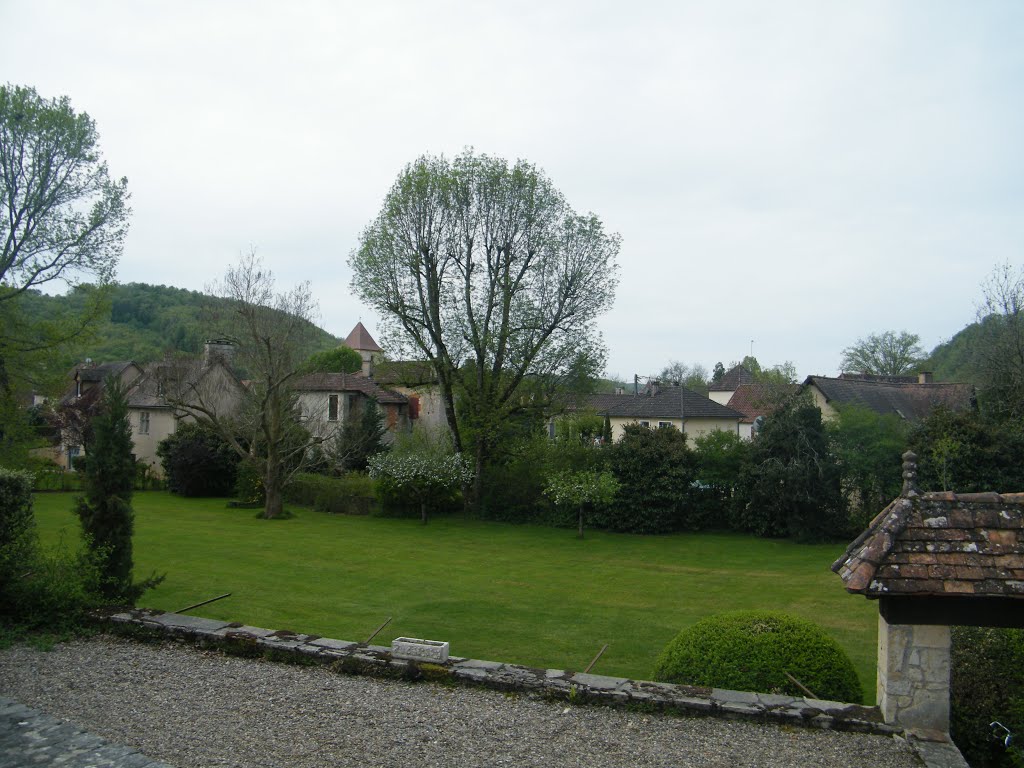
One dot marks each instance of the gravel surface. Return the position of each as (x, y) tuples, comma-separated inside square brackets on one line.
[(194, 708)]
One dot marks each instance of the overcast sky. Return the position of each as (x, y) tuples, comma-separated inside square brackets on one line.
[(789, 174)]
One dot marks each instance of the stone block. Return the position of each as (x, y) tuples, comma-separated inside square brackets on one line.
[(435, 651)]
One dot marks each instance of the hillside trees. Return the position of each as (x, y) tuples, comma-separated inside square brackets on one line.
[(483, 268), (884, 354)]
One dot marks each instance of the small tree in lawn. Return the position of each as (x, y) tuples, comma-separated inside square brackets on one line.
[(581, 488), (426, 476), (106, 509)]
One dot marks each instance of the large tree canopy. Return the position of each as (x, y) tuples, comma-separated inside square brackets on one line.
[(484, 269), (884, 354), (62, 219)]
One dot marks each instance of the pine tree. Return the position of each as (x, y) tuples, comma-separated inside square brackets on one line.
[(108, 477)]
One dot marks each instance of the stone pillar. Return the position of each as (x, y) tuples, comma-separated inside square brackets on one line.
[(913, 677)]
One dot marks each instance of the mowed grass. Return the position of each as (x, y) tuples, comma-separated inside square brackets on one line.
[(526, 594)]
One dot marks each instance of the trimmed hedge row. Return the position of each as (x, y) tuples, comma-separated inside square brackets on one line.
[(351, 494)]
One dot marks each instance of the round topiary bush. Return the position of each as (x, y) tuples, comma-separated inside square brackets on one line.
[(753, 651)]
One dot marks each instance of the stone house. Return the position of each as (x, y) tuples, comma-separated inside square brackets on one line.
[(152, 390), (328, 400)]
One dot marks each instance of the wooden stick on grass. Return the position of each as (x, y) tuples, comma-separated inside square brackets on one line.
[(211, 600), (378, 629), (599, 654)]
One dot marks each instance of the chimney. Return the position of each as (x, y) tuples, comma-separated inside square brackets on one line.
[(924, 377), (215, 350)]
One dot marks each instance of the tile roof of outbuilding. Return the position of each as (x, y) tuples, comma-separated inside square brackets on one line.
[(910, 401), (347, 382), (940, 544), (666, 403)]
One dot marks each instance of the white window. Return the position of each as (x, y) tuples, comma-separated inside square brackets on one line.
[(144, 423), (664, 424), (332, 407), (645, 424)]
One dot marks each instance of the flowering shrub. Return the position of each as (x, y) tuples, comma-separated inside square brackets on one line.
[(426, 476), (581, 488)]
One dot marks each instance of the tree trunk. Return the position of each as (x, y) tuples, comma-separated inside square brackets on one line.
[(579, 532), (423, 512), (273, 504), (478, 475)]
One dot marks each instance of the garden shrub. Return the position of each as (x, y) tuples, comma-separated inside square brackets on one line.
[(249, 485), (752, 651), (351, 494), (791, 484), (987, 684), (198, 462), (655, 470), (39, 590)]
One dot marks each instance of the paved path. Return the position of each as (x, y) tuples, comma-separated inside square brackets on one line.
[(30, 738)]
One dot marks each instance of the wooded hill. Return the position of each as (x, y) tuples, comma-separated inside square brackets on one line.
[(955, 360), (145, 322)]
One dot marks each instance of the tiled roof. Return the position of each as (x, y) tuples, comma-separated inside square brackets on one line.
[(361, 340), (665, 404), (940, 544), (753, 400), (102, 371), (732, 380), (912, 402), (347, 382), (404, 373)]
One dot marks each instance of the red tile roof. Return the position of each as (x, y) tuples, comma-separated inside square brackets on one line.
[(753, 400), (347, 382), (361, 340)]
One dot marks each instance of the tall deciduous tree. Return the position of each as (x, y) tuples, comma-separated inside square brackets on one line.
[(693, 376), (483, 268), (273, 333), (61, 215), (999, 349), (884, 354)]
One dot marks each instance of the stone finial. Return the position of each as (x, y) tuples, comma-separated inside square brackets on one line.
[(909, 474)]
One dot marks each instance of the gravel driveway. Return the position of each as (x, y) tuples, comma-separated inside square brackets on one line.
[(194, 708)]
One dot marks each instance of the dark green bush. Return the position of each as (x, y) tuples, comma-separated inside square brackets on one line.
[(656, 471), (351, 494), (987, 684), (197, 461), (753, 651), (50, 591), (791, 483)]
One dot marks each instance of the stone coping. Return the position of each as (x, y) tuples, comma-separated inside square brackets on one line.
[(559, 684)]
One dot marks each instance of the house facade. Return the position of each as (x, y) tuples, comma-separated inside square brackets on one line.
[(328, 400), (152, 391), (673, 407)]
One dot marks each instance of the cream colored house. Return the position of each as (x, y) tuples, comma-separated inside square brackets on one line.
[(666, 407), (155, 402), (151, 389)]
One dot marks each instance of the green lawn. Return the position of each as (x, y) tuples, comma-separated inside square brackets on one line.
[(525, 594)]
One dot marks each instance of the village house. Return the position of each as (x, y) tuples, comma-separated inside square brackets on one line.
[(152, 391), (911, 398), (673, 407)]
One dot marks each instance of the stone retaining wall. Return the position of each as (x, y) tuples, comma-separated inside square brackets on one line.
[(576, 687)]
